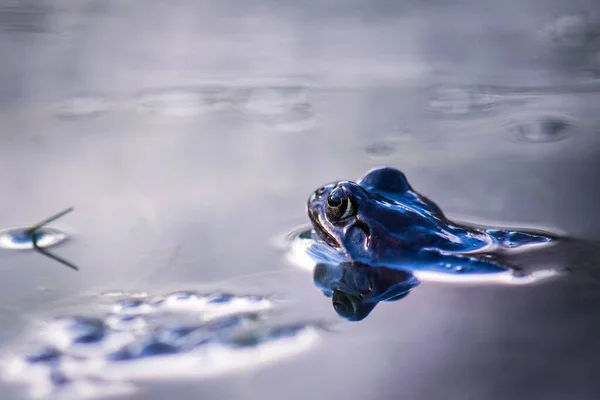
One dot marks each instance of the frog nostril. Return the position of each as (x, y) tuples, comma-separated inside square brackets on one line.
[(320, 191)]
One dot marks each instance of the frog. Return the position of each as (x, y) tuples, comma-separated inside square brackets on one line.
[(377, 238), (382, 220)]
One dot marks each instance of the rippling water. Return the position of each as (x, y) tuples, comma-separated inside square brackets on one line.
[(188, 137)]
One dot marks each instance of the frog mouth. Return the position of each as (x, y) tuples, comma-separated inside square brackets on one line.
[(321, 231)]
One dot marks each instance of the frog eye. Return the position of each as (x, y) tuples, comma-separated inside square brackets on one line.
[(339, 205)]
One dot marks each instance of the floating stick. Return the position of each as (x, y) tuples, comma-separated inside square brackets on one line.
[(33, 231)]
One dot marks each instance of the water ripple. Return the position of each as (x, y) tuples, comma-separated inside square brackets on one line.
[(83, 107), (463, 101), (22, 238), (285, 107), (573, 31), (183, 102), (547, 128)]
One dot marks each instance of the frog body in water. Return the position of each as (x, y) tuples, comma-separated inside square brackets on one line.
[(382, 220), (374, 240)]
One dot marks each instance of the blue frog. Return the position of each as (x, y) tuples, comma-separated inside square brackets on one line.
[(382, 222)]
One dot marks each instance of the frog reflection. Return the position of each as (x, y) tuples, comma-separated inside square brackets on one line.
[(382, 221), (355, 289)]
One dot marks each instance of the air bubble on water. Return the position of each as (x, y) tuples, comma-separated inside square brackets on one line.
[(22, 239)]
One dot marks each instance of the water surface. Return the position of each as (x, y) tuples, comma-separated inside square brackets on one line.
[(188, 137)]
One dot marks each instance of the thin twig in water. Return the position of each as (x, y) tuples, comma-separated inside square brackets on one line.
[(33, 231), (48, 220)]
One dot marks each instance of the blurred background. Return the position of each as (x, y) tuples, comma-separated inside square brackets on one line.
[(189, 134)]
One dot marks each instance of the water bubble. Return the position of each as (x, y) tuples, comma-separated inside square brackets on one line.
[(542, 129), (22, 238), (83, 107)]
